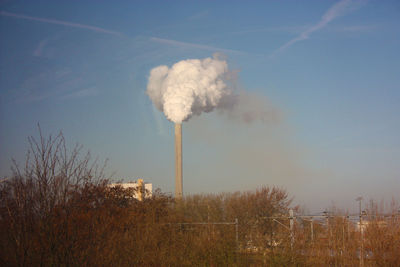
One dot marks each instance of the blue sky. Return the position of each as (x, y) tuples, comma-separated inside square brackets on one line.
[(331, 68)]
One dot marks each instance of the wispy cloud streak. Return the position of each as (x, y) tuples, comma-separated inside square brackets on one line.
[(335, 11), (359, 28), (61, 22), (289, 29), (192, 45), (86, 92)]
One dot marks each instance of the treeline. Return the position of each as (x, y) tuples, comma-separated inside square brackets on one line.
[(58, 210)]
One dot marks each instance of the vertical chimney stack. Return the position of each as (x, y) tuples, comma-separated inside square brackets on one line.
[(141, 189), (178, 161)]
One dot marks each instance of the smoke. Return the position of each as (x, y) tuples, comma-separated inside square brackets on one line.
[(193, 86), (188, 88), (249, 107)]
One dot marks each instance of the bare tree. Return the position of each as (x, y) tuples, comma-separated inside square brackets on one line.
[(37, 195)]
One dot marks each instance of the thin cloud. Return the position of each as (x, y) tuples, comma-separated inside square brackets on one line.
[(199, 15), (359, 28), (192, 45), (289, 29), (61, 22), (87, 92), (158, 117), (39, 50), (335, 11), (52, 83)]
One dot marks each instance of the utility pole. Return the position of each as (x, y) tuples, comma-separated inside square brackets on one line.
[(359, 199), (328, 230), (343, 243), (312, 230), (237, 233), (291, 227), (348, 227)]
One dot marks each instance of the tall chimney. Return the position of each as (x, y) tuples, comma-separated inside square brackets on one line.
[(141, 190), (178, 161)]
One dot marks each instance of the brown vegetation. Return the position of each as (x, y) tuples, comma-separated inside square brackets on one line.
[(59, 211)]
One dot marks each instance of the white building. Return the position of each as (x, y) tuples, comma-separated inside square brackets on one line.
[(364, 224), (141, 190)]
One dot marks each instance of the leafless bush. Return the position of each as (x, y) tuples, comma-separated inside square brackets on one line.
[(39, 199), (58, 210)]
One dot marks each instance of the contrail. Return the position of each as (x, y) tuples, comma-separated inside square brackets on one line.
[(335, 11), (61, 22), (192, 45)]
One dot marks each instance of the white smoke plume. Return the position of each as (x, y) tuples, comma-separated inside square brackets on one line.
[(189, 87), (193, 86)]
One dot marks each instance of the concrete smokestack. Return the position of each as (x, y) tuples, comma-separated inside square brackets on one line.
[(178, 161), (141, 189)]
